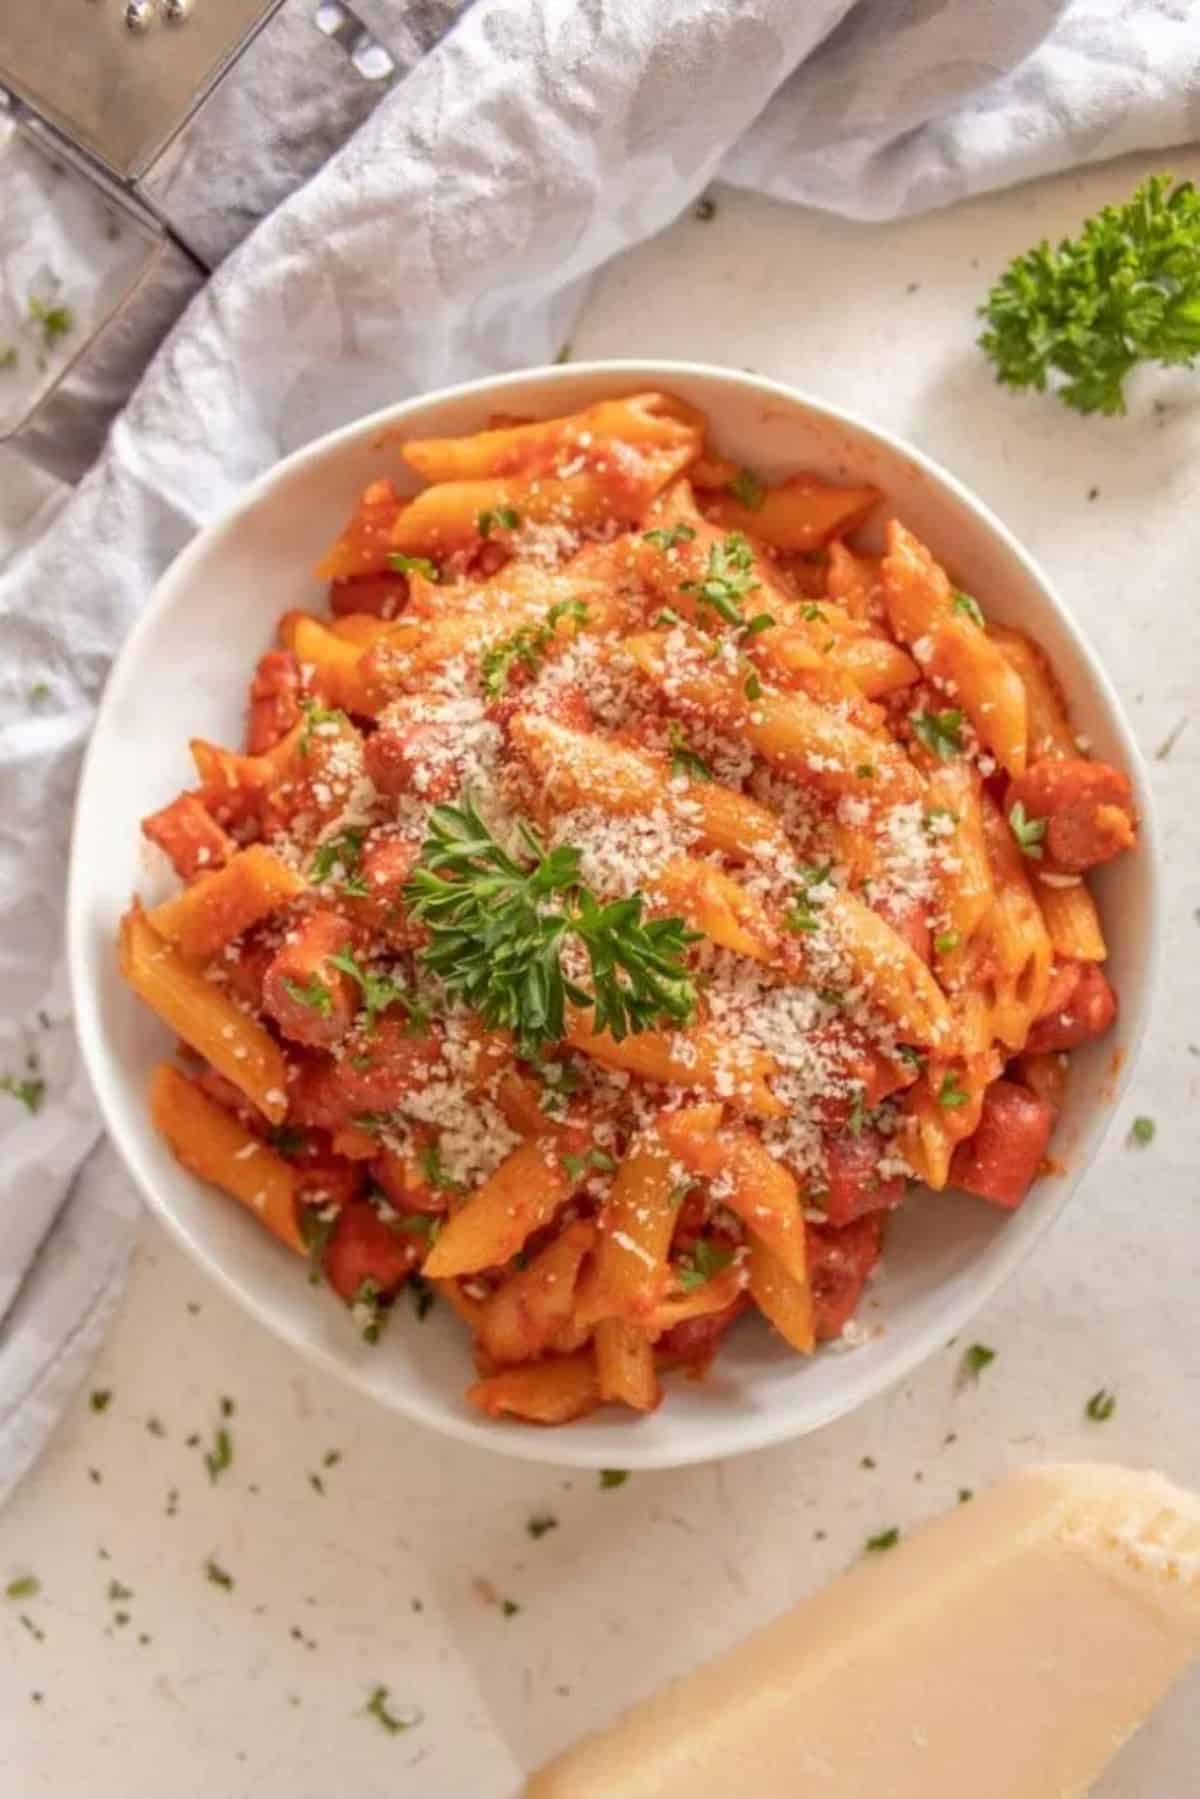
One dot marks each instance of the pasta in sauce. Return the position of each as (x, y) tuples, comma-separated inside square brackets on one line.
[(624, 894)]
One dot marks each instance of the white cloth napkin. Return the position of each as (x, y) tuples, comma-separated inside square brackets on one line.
[(452, 237)]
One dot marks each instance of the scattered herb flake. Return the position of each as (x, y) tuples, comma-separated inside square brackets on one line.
[(963, 602), (29, 1089), (56, 321), (885, 1539), (1101, 1406), (220, 1577), (101, 1399), (1170, 740), (945, 941), (509, 1607), (377, 1708), (540, 1523), (26, 1586), (976, 1359), (964, 1494), (705, 1261), (613, 1477), (220, 1456), (1142, 1130)]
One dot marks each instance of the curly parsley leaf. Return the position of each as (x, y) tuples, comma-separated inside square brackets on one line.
[(1126, 290)]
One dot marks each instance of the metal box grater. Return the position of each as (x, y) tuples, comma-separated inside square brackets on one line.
[(119, 122)]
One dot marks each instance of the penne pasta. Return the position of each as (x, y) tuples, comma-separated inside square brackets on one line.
[(211, 1143), (208, 1021), (220, 906)]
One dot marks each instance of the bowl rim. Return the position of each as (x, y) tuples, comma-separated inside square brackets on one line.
[(744, 1431)]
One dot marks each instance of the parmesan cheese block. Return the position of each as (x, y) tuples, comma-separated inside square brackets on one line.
[(1004, 1651)]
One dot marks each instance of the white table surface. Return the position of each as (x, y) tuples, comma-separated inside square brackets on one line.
[(392, 1575)]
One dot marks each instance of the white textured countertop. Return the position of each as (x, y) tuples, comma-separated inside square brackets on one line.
[(392, 1575)]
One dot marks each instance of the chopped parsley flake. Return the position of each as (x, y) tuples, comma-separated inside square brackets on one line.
[(613, 1477), (730, 578), (26, 1586), (414, 565), (1142, 1130), (940, 732), (28, 1089), (56, 321), (748, 489), (38, 692), (503, 517), (509, 1607), (526, 647), (1028, 832), (803, 916), (8, 358), (706, 1260), (316, 995), (220, 1577), (971, 607), (668, 538), (1101, 1406), (886, 1539), (976, 1359), (378, 992), (578, 1166), (945, 941), (950, 1094), (684, 762), (220, 1456), (101, 1399), (540, 1523), (377, 1708), (343, 853), (429, 1158)]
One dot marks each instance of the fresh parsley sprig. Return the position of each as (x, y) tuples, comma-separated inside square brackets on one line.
[(1125, 290), (499, 927)]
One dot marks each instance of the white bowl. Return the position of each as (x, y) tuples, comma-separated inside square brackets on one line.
[(183, 672)]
